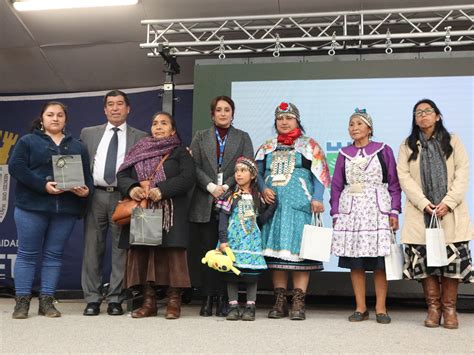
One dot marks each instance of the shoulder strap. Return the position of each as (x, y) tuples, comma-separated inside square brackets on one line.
[(160, 164)]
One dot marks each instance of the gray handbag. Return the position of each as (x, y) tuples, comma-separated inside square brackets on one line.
[(68, 171), (146, 226)]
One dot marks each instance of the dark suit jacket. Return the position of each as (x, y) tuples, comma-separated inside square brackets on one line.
[(91, 137), (203, 147)]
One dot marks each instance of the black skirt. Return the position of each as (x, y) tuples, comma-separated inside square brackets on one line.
[(363, 263)]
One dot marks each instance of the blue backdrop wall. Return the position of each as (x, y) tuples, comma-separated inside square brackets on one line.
[(85, 109)]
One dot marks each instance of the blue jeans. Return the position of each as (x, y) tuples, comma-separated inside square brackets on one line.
[(40, 233)]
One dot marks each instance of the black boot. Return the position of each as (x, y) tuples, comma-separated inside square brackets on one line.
[(46, 307), (234, 312), (206, 308), (249, 312), (22, 307), (222, 306)]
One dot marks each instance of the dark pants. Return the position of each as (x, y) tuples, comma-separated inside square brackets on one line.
[(212, 283)]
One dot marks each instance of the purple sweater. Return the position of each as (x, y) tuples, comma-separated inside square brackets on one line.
[(337, 185)]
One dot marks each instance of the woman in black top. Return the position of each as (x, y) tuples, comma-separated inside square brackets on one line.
[(159, 169)]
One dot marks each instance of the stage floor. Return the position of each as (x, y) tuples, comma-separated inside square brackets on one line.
[(326, 330)]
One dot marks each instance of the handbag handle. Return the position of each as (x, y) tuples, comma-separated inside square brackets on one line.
[(316, 220), (393, 236), (434, 222)]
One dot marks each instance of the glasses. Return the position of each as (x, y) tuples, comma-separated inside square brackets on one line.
[(427, 111)]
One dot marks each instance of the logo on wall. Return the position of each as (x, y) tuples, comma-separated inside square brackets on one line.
[(7, 140), (332, 151), (7, 264)]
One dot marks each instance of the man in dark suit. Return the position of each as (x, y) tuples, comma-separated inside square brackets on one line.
[(107, 145)]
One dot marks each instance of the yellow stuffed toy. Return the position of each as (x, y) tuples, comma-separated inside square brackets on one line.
[(221, 262)]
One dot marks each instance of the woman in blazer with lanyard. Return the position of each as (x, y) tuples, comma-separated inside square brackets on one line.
[(215, 151)]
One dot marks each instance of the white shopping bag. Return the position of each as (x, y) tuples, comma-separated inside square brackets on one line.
[(394, 261), (316, 240), (436, 253)]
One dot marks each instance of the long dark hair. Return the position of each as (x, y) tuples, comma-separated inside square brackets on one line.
[(38, 122), (441, 132), (255, 195)]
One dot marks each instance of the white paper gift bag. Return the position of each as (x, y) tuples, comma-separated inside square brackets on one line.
[(394, 261), (436, 253), (316, 240)]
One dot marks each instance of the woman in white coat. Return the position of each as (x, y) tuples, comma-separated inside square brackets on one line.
[(433, 169)]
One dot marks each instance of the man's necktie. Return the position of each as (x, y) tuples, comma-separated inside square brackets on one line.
[(111, 160)]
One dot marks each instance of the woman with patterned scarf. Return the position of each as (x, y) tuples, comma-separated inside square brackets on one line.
[(293, 168), (160, 169), (433, 169)]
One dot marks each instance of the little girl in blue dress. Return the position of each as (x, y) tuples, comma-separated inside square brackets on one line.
[(240, 213)]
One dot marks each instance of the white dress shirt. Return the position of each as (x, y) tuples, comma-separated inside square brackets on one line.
[(101, 154)]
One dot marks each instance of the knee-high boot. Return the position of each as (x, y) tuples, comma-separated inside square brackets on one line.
[(448, 300), (432, 293)]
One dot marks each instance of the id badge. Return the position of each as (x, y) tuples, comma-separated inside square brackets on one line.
[(220, 179)]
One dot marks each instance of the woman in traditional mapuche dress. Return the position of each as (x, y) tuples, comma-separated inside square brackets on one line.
[(293, 170), (365, 203)]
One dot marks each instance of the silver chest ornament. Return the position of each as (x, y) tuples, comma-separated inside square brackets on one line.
[(245, 210), (357, 168), (282, 166)]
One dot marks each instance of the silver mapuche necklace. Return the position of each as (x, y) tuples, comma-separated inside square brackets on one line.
[(357, 168), (245, 210), (283, 164)]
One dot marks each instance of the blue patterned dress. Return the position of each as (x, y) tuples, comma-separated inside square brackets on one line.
[(282, 234), (244, 237)]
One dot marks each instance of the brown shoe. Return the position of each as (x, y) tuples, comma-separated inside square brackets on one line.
[(280, 308), (298, 305), (173, 308), (148, 308), (433, 300), (448, 301)]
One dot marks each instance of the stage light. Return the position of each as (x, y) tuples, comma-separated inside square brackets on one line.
[(36, 5)]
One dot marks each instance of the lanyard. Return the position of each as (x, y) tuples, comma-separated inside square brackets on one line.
[(222, 143)]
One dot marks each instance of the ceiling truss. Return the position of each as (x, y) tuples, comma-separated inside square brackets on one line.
[(431, 28)]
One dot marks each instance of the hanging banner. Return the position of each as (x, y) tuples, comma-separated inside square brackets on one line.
[(84, 109)]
